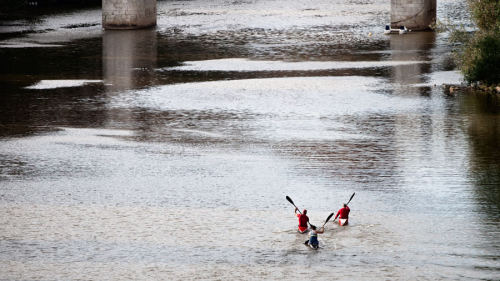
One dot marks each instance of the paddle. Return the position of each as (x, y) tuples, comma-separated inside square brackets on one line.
[(327, 219), (291, 201), (351, 198)]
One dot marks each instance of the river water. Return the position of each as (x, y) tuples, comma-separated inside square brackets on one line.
[(167, 153)]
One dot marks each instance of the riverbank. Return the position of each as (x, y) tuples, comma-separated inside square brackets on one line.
[(470, 89)]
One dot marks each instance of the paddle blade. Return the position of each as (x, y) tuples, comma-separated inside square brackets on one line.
[(327, 219), (290, 200), (351, 198)]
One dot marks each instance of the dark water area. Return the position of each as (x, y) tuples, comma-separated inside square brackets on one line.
[(167, 153)]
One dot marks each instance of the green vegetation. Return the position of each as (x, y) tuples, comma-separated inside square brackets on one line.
[(478, 54), (480, 60)]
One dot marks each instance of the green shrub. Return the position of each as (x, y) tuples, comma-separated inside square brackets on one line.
[(478, 52), (480, 59), (485, 13)]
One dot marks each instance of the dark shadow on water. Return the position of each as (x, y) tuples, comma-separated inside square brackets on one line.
[(483, 111), (25, 111), (483, 123), (175, 77), (78, 59)]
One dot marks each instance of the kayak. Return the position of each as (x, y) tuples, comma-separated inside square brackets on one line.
[(302, 229), (343, 221), (312, 246)]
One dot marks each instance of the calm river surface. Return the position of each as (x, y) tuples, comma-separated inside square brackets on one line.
[(167, 153)]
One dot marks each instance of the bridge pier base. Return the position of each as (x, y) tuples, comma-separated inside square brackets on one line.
[(414, 14), (128, 14)]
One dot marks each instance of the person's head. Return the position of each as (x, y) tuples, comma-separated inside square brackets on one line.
[(344, 205), (304, 212), (313, 227)]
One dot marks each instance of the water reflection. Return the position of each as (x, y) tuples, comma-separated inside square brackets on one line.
[(484, 137), (129, 57), (414, 46), (129, 60), (484, 131)]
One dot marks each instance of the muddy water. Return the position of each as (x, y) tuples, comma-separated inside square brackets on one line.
[(167, 153)]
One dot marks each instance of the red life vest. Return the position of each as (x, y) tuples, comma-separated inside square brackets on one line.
[(303, 219), (343, 213)]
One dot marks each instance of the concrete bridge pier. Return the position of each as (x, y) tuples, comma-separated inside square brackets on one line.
[(128, 14), (414, 14)]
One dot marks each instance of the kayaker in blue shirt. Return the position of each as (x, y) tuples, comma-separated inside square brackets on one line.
[(313, 236)]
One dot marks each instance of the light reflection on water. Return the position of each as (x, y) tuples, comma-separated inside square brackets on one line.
[(177, 164)]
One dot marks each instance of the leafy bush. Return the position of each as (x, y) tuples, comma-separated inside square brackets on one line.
[(485, 13), (480, 59), (478, 54)]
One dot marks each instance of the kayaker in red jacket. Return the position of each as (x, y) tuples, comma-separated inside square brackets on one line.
[(303, 220), (343, 215)]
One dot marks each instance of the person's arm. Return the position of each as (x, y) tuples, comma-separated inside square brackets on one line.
[(322, 230), (296, 209), (338, 213)]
